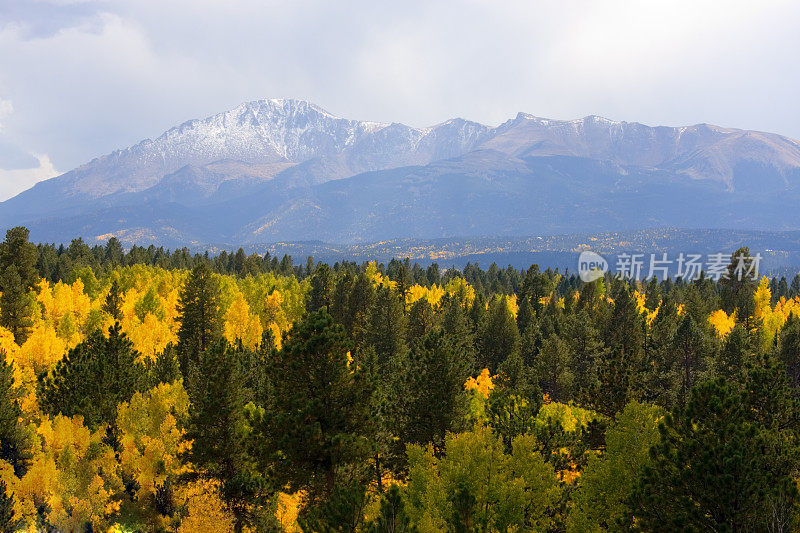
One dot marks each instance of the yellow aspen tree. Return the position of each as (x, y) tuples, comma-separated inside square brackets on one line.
[(723, 324), (459, 285), (74, 473), (151, 436), (240, 325), (273, 311), (205, 510), (42, 349)]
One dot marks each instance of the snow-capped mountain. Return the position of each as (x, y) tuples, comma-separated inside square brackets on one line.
[(287, 169), (268, 132)]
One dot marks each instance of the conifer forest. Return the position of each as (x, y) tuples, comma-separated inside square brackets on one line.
[(145, 389)]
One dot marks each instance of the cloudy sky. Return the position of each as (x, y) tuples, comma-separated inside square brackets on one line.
[(80, 78)]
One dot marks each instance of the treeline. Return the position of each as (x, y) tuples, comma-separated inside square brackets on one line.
[(59, 263), (396, 399)]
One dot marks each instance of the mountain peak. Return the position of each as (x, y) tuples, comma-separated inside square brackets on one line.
[(295, 144)]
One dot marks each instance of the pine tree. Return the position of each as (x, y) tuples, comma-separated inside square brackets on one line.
[(434, 397), (7, 522), (93, 378), (456, 324), (619, 372), (691, 352), (536, 286), (360, 303), (737, 349), (387, 328), (789, 351), (498, 336), (114, 254), (316, 423), (525, 315), (198, 314), (420, 319), (113, 302), (737, 286), (588, 351), (554, 368), (726, 461), (216, 421), (342, 511), (13, 448), (16, 250), (323, 284), (164, 368), (392, 517), (18, 275), (15, 313)]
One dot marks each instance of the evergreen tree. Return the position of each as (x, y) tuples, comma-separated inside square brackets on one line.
[(735, 352), (13, 448), (323, 285), (316, 422), (216, 428), (690, 351), (456, 324), (619, 373), (554, 368), (18, 275), (16, 250), (794, 288), (359, 304), (392, 517), (434, 397), (339, 307), (198, 314), (15, 313), (536, 286), (7, 522), (164, 368), (725, 462), (421, 320), (657, 383), (387, 328), (114, 254), (113, 302), (342, 512), (588, 350), (498, 336), (789, 351), (525, 315), (93, 378), (737, 286)]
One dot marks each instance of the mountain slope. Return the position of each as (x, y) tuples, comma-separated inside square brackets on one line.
[(274, 170)]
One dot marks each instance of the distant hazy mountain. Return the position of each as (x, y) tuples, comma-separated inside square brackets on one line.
[(275, 170)]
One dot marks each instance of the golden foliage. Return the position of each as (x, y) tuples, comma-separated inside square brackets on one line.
[(482, 385), (240, 325), (206, 512), (43, 349), (433, 294), (723, 324), (288, 509), (459, 286), (151, 436), (73, 472)]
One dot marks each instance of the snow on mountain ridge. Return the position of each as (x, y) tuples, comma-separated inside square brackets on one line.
[(278, 131)]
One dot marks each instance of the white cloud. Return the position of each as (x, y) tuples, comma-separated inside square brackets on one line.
[(6, 108), (13, 182), (103, 75)]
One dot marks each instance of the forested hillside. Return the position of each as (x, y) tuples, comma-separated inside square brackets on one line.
[(151, 390)]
